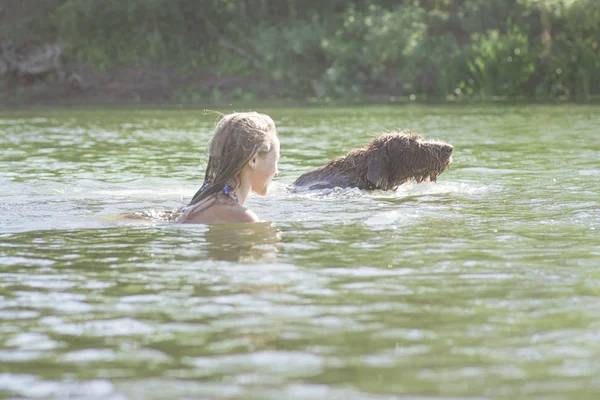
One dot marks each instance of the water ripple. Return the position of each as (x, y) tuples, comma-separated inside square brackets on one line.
[(483, 285)]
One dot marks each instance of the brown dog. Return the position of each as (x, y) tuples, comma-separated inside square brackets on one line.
[(385, 163)]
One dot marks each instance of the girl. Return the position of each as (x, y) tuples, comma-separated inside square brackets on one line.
[(243, 156)]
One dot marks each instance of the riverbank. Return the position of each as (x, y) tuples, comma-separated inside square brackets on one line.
[(131, 86), (181, 52)]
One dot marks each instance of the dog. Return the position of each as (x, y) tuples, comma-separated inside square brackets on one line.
[(385, 163)]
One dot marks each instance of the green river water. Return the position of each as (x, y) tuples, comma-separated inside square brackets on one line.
[(483, 285)]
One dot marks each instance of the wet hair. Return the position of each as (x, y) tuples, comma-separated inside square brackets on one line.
[(237, 138)]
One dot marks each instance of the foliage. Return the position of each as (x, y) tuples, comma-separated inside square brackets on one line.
[(345, 48), (574, 63), (372, 47), (293, 54), (500, 64), (114, 32)]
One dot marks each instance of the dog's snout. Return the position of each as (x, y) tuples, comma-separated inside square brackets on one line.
[(448, 149)]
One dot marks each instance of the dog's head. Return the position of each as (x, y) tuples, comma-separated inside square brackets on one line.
[(396, 158)]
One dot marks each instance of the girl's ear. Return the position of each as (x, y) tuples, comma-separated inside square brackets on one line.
[(252, 163)]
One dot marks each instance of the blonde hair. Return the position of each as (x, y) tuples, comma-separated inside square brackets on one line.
[(237, 138)]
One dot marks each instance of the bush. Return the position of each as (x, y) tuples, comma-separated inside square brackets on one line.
[(574, 62), (293, 54), (500, 64), (374, 47), (135, 32)]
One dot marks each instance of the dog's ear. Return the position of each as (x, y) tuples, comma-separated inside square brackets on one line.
[(376, 173)]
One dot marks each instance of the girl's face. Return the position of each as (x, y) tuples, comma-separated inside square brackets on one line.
[(266, 168)]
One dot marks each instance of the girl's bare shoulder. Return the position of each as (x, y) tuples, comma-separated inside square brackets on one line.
[(235, 213), (223, 214)]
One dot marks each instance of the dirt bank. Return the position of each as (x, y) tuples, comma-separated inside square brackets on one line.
[(130, 85)]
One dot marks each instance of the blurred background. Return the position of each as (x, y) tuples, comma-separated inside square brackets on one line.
[(199, 51)]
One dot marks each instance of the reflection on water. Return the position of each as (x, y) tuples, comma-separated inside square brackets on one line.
[(484, 285), (242, 242)]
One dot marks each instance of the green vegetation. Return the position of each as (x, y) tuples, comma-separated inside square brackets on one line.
[(441, 49)]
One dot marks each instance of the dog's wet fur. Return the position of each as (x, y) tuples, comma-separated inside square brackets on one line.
[(386, 162)]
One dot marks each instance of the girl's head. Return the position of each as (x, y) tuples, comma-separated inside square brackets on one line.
[(243, 146)]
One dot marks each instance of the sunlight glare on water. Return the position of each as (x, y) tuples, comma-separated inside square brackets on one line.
[(482, 285)]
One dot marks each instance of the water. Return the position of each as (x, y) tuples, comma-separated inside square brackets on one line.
[(484, 285)]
